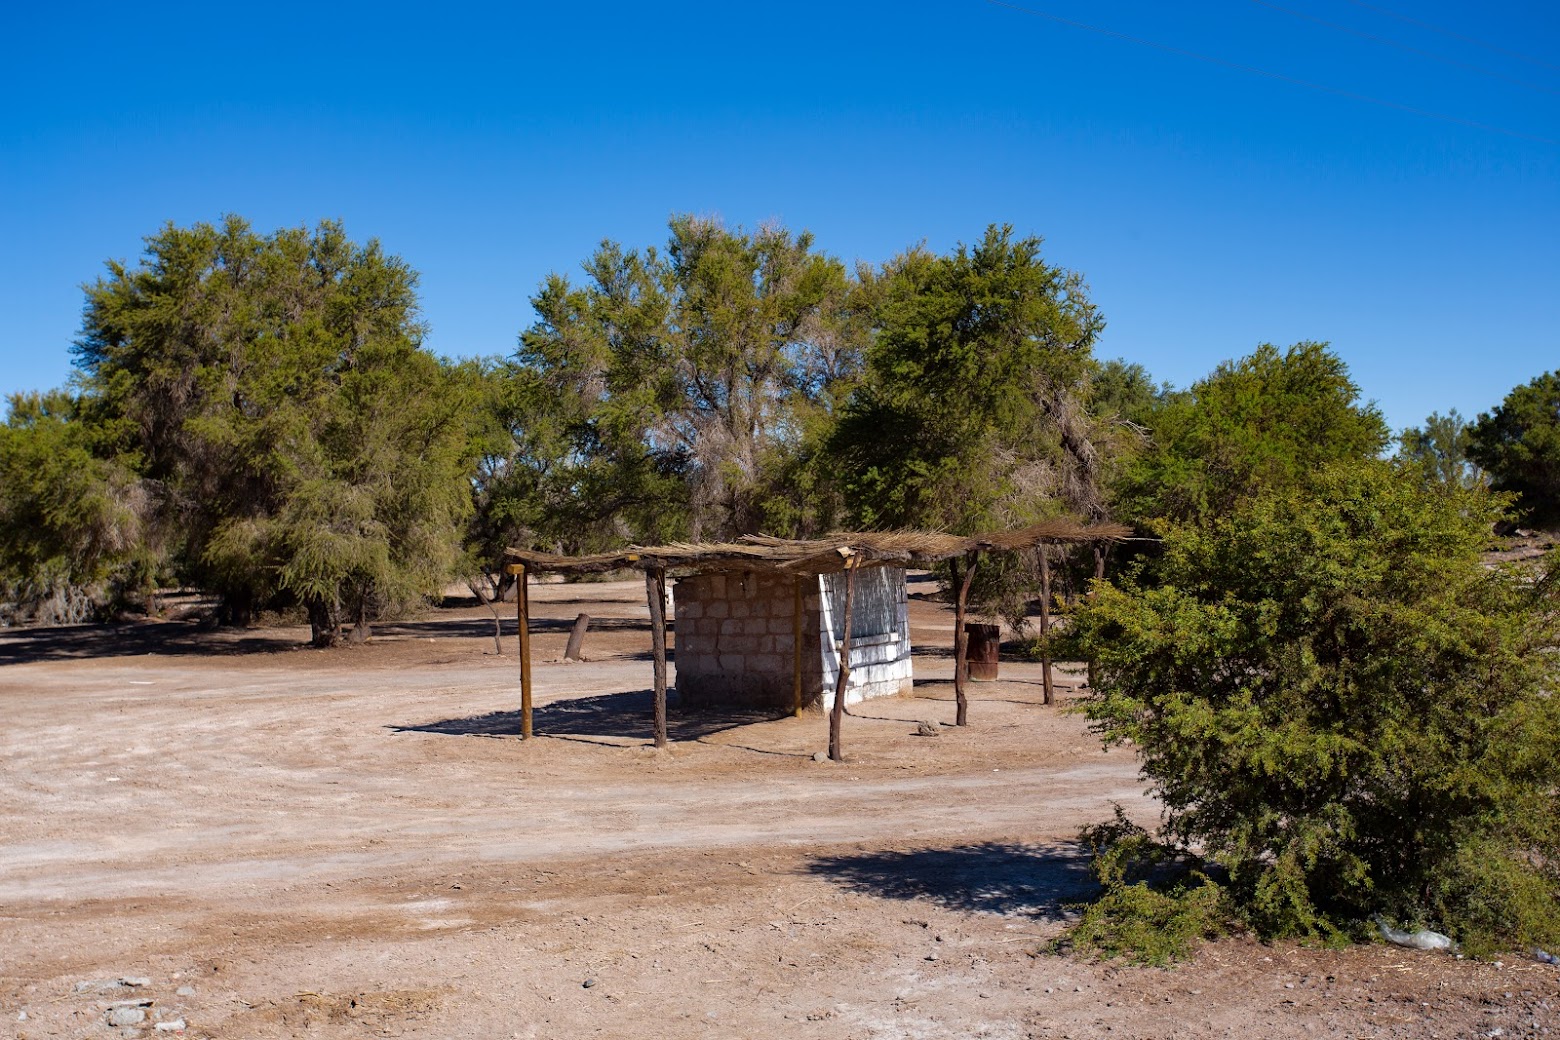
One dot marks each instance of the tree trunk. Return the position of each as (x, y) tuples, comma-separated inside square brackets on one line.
[(324, 622), (963, 575), (655, 592)]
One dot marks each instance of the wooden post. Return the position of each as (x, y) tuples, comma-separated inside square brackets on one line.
[(1045, 623), (836, 750), (577, 638), (523, 617), (655, 592), (963, 574), (796, 649)]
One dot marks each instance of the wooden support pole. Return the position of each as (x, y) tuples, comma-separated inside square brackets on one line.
[(523, 617), (963, 575), (796, 649), (1045, 623), (655, 592), (836, 749)]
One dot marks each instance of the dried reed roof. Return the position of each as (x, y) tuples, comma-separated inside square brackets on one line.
[(819, 555)]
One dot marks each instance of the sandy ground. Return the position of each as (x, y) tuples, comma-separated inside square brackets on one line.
[(273, 841)]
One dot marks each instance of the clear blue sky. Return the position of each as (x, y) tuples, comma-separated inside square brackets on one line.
[(1210, 208)]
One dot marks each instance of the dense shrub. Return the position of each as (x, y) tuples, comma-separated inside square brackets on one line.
[(1345, 711)]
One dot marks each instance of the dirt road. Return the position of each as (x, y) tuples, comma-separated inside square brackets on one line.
[(274, 841)]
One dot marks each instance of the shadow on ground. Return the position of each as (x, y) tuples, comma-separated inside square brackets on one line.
[(630, 715), (137, 639), (994, 877)]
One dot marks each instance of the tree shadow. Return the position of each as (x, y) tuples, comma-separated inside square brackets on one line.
[(1009, 878), (630, 715), (138, 639)]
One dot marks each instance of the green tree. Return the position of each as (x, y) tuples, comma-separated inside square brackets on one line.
[(1440, 449), (1341, 705), (972, 414), (1265, 421), (670, 393), (1518, 444), (305, 448), (72, 523)]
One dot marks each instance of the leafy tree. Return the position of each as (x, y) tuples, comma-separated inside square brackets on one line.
[(1265, 421), (304, 447), (1518, 444), (972, 411), (71, 522), (1440, 449), (1344, 709), (670, 393)]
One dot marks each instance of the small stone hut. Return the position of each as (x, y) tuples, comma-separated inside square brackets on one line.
[(737, 633), (773, 621)]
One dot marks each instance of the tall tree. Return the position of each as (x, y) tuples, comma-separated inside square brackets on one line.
[(1439, 449), (671, 391), (1518, 444), (72, 521), (973, 413), (305, 447), (1265, 421)]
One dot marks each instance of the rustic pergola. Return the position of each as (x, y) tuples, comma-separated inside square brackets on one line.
[(845, 552)]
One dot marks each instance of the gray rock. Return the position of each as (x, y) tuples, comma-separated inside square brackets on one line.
[(589, 983), (820, 756), (134, 981), (176, 1026), (120, 1015), (185, 991), (927, 729)]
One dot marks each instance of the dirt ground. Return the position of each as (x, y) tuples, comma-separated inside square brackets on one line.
[(266, 840)]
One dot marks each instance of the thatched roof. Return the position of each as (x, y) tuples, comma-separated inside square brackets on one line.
[(819, 555)]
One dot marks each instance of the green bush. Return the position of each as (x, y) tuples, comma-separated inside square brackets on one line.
[(1345, 710)]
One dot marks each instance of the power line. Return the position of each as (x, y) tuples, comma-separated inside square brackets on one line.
[(1167, 48), (1404, 47), (1457, 36)]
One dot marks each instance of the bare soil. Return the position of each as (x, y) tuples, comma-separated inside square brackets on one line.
[(275, 841)]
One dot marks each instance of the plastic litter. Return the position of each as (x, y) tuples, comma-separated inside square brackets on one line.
[(1545, 958), (1424, 939)]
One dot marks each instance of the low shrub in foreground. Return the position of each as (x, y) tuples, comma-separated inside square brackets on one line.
[(1344, 712)]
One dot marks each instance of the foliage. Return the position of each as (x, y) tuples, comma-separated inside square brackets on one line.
[(971, 414), (1265, 421), (673, 393), (1440, 450), (1343, 707), (71, 523), (1518, 444), (273, 389), (1155, 903)]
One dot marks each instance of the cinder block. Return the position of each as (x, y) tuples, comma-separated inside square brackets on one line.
[(718, 609), (740, 608)]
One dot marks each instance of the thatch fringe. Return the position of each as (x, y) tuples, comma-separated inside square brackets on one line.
[(820, 555)]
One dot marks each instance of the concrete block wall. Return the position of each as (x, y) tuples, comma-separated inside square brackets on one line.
[(735, 640)]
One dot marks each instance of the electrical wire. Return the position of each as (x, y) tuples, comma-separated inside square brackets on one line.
[(1403, 47), (1351, 95), (1458, 36)]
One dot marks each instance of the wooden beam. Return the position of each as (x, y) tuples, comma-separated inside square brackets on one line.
[(1045, 622), (523, 616), (963, 575), (796, 648), (836, 749), (655, 592)]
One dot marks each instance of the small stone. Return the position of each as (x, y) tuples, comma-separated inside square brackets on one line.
[(588, 983), (820, 756), (184, 991), (927, 729), (21, 1016), (931, 957), (125, 1016), (176, 1026), (134, 981)]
